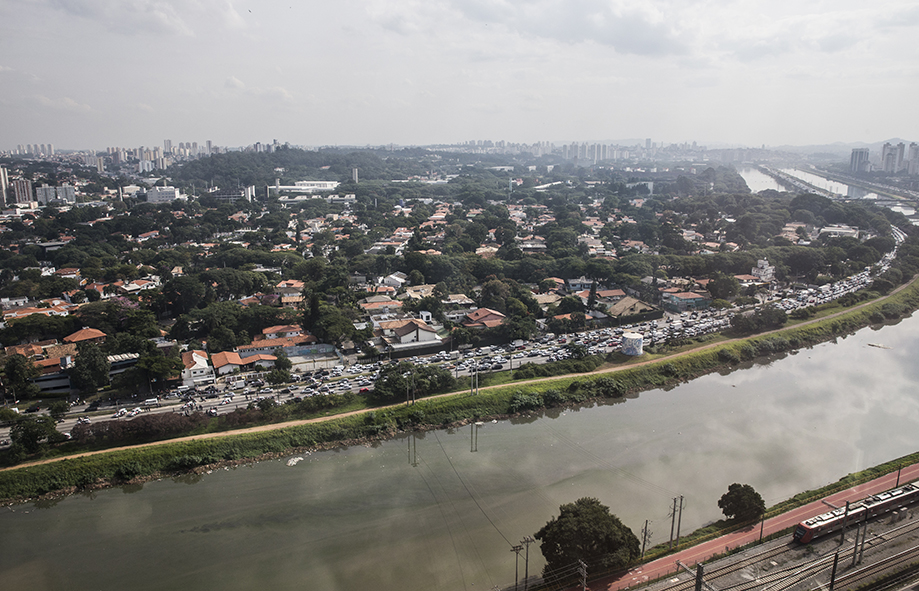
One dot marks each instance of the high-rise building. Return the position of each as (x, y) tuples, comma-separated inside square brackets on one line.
[(209, 146), (889, 158), (21, 191), (4, 185), (647, 143), (913, 166), (45, 194), (858, 162), (167, 146), (67, 193)]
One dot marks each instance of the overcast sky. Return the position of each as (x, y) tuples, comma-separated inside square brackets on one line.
[(98, 73)]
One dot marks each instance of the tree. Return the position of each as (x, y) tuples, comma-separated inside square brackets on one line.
[(27, 434), (281, 361), (19, 373), (278, 376), (586, 530), (741, 503), (723, 286), (399, 380), (58, 409), (90, 369), (156, 367)]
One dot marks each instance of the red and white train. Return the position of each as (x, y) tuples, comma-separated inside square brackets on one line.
[(874, 505)]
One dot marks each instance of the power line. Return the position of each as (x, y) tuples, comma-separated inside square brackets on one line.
[(449, 530), (476, 501), (603, 462)]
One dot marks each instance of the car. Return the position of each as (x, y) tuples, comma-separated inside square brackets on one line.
[(363, 390), (33, 408)]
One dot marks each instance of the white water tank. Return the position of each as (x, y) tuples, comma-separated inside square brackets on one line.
[(632, 343)]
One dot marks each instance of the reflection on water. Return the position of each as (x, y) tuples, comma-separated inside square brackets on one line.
[(841, 189), (757, 180), (441, 509)]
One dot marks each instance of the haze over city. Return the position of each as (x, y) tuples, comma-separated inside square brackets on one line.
[(91, 73)]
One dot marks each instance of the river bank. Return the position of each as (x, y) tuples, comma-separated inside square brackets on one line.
[(202, 453)]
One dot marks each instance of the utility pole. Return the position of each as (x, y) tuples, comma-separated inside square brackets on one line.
[(699, 577), (858, 530), (845, 520), (516, 549), (864, 525), (833, 575), (678, 522), (645, 537), (526, 568), (582, 570), (672, 524)]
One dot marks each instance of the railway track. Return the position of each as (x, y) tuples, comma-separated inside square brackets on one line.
[(729, 569), (877, 569), (791, 576)]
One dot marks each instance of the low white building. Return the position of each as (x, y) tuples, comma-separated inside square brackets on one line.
[(197, 370), (162, 194)]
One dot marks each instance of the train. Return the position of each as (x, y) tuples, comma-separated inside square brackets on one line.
[(873, 506)]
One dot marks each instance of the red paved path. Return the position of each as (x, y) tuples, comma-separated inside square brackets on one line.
[(690, 556)]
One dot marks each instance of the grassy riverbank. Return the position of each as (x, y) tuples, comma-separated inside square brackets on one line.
[(171, 457)]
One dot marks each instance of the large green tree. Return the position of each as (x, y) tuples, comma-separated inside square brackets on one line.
[(18, 373), (741, 503), (90, 370), (27, 434), (404, 379), (586, 530)]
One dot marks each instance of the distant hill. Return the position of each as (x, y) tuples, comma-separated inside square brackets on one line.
[(842, 149)]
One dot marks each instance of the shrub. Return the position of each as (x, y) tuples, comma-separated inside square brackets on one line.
[(523, 402), (728, 356)]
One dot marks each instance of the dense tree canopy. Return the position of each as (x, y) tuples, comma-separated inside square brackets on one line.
[(586, 530), (741, 503)]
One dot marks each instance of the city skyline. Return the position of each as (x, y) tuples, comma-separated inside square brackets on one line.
[(95, 73)]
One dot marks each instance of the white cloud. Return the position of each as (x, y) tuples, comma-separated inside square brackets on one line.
[(272, 92), (64, 103), (183, 18)]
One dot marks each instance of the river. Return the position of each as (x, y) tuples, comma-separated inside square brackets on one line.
[(758, 180), (441, 510), (841, 189)]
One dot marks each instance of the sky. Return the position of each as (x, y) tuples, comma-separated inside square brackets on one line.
[(89, 74)]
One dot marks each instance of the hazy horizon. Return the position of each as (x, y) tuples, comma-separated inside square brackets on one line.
[(88, 74)]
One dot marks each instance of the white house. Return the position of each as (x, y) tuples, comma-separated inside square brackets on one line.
[(196, 371), (396, 280)]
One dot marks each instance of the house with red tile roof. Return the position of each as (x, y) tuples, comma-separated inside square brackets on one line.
[(483, 318), (196, 370), (86, 335)]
